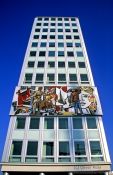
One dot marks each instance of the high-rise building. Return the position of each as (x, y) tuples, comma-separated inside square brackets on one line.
[(56, 118)]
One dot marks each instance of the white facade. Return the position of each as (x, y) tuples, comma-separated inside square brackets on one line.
[(56, 56)]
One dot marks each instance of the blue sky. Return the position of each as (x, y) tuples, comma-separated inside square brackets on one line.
[(96, 18)]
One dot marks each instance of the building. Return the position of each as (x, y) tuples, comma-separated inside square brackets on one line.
[(56, 118)]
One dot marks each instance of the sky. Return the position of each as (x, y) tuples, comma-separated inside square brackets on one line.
[(96, 19)]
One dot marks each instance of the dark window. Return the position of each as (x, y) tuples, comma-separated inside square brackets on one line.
[(50, 77), (59, 24), (73, 19), (32, 148), (38, 24), (95, 148), (45, 24), (67, 30), (91, 123), (79, 148), (51, 53), (59, 19), (61, 64), (31, 63), (53, 19), (52, 24), (51, 44), (76, 37), (51, 64), (60, 37), (68, 37), (44, 36), (74, 24), (66, 24), (45, 30), (71, 64), (28, 77), (33, 53), (42, 53), (52, 30), (60, 53), (36, 36), (49, 123), (34, 44), (60, 30), (79, 54), (16, 148), (52, 36), (84, 77), (66, 19), (61, 77), (39, 19), (39, 77), (72, 77), (48, 148), (41, 64), (37, 30), (77, 44), (64, 149), (81, 64), (77, 123), (34, 123), (20, 123), (75, 30), (70, 54), (63, 123), (46, 19), (69, 44), (43, 44), (60, 44)]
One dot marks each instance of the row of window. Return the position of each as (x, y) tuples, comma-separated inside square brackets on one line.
[(53, 53), (48, 150), (62, 123), (56, 37), (56, 24), (51, 77), (51, 64), (56, 30), (55, 18), (60, 44)]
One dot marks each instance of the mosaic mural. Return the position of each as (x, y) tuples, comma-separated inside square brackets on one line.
[(56, 100)]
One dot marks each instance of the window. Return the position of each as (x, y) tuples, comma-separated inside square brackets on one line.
[(59, 24), (79, 148), (45, 30), (60, 44), (48, 149), (60, 37), (45, 24), (52, 30), (33, 53), (59, 19), (16, 148), (81, 64), (95, 148), (38, 24), (69, 44), (51, 53), (37, 30), (53, 19), (71, 64), (63, 123), (68, 37), (52, 36), (91, 123), (76, 37), (52, 24), (66, 24), (77, 44), (42, 53), (49, 123), (60, 53), (36, 37), (75, 30), (31, 64), (34, 123), (77, 123), (70, 54), (72, 77), (39, 19), (51, 44), (84, 77), (60, 30), (79, 54), (41, 64), (67, 30), (61, 64), (64, 149), (61, 77), (46, 19), (20, 123), (32, 148), (39, 77), (50, 77), (28, 77), (44, 36), (51, 64), (74, 24), (43, 44), (34, 44), (66, 19), (73, 19)]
